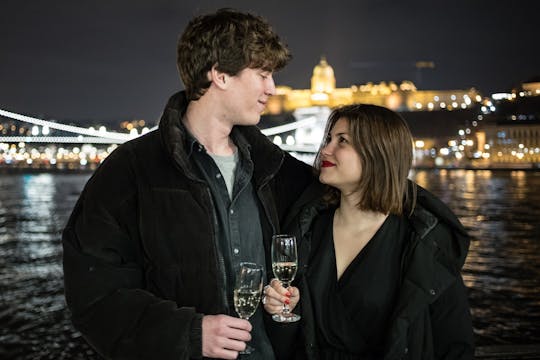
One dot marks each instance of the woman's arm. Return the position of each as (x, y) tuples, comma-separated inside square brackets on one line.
[(285, 337), (452, 324)]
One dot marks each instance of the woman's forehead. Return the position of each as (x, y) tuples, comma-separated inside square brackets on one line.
[(341, 126)]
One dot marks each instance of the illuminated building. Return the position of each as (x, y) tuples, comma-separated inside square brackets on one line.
[(510, 127), (435, 117), (402, 97)]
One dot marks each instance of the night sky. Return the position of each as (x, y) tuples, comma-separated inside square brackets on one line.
[(114, 60)]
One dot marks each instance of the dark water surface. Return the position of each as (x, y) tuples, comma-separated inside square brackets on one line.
[(501, 210)]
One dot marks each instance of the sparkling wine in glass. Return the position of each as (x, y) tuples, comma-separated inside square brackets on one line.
[(284, 265), (247, 292)]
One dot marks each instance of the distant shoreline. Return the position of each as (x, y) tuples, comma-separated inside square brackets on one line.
[(85, 170), (30, 170), (529, 167)]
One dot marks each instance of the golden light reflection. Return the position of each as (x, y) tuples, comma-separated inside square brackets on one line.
[(421, 179)]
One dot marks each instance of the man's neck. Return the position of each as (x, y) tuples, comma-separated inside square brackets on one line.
[(209, 128)]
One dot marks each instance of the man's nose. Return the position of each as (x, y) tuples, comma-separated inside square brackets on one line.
[(270, 86)]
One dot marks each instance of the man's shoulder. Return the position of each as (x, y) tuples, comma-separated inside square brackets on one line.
[(150, 139), (297, 170), (252, 134), (121, 165)]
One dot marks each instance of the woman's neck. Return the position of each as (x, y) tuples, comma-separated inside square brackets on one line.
[(350, 216)]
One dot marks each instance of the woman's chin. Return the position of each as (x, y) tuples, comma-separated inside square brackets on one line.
[(326, 181)]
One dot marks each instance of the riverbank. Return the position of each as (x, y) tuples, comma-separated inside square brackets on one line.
[(40, 170), (508, 352), (89, 169)]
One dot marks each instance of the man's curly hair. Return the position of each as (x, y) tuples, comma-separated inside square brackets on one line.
[(230, 40)]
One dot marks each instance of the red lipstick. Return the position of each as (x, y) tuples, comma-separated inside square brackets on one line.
[(327, 164)]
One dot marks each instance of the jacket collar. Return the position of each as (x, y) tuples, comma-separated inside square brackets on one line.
[(266, 156), (428, 212), (429, 267)]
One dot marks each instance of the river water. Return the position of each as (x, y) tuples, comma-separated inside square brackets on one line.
[(500, 209)]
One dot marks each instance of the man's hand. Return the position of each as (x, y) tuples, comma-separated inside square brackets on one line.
[(224, 336)]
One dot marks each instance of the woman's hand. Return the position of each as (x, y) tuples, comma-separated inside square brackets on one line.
[(275, 295)]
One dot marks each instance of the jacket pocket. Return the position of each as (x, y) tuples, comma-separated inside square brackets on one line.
[(177, 229), (178, 242)]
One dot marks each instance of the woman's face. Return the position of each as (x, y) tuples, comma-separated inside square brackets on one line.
[(340, 163)]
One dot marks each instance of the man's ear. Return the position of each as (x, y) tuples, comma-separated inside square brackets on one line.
[(218, 78)]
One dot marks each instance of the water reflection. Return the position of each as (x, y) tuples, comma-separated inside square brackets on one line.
[(36, 216), (35, 323), (499, 209)]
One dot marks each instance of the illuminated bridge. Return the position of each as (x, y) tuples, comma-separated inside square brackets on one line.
[(305, 133)]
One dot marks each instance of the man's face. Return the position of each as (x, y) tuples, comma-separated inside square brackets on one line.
[(247, 95)]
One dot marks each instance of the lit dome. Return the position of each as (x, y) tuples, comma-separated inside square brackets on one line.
[(323, 79)]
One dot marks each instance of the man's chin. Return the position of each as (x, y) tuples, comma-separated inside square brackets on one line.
[(251, 122)]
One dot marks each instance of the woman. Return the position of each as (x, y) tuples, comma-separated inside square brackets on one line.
[(380, 256)]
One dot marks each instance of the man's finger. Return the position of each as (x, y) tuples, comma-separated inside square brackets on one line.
[(225, 354), (236, 334), (238, 323)]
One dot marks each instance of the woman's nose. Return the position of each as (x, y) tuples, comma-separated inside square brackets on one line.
[(327, 149)]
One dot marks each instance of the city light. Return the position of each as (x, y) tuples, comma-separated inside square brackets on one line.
[(479, 143), (290, 140)]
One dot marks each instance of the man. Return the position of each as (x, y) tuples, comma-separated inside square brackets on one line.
[(152, 246)]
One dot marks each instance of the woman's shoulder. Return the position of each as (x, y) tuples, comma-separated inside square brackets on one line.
[(433, 220)]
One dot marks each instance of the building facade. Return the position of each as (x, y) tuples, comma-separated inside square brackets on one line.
[(402, 97)]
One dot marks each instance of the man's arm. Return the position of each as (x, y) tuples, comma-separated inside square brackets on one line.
[(293, 178), (105, 280), (107, 283)]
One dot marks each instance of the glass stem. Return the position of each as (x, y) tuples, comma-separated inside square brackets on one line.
[(286, 310)]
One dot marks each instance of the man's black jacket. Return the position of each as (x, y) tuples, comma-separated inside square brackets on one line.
[(140, 249)]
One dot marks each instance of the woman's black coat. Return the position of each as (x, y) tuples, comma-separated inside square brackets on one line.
[(431, 319)]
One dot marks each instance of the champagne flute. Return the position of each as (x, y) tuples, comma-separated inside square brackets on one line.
[(284, 264), (247, 292)]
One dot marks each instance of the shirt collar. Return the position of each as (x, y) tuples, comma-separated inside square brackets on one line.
[(240, 141), (191, 143)]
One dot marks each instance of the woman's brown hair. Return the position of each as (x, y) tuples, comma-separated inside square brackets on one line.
[(383, 142)]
